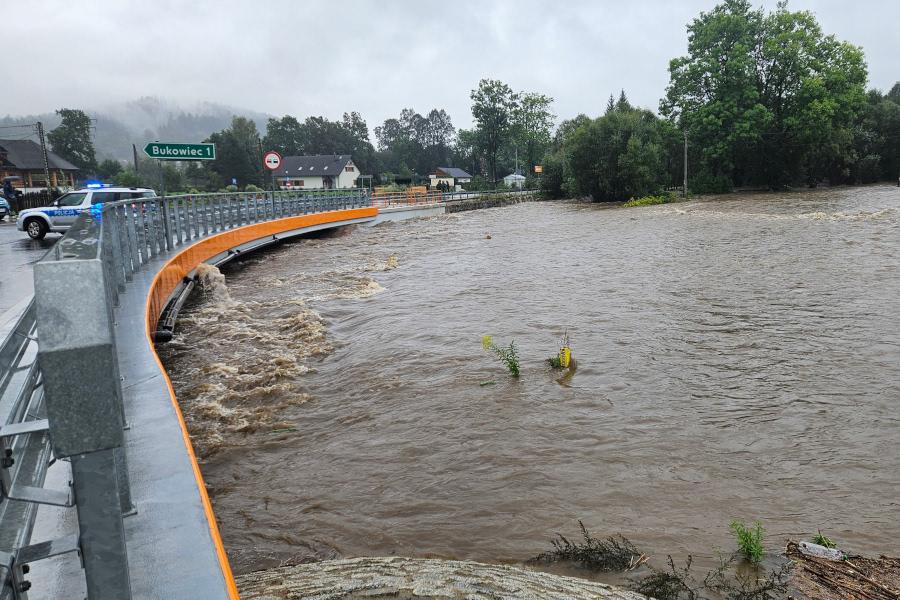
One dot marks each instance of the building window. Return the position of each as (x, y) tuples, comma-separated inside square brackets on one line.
[(349, 169), (300, 182)]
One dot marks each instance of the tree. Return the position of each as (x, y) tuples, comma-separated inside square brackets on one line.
[(767, 97), (285, 136), (108, 169), (237, 152), (318, 135), (72, 139), (617, 156), (416, 142), (532, 124), (493, 103)]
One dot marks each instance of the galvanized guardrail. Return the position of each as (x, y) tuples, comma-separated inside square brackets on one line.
[(409, 198), (62, 396)]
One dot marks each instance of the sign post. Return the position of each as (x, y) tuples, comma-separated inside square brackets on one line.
[(271, 161)]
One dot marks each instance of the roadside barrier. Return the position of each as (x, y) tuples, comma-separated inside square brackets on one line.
[(60, 389)]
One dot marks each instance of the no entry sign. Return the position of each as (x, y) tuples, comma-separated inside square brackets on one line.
[(272, 160)]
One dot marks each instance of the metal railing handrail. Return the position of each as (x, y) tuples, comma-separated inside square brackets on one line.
[(64, 395)]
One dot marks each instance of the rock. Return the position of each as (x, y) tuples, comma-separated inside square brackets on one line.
[(419, 579)]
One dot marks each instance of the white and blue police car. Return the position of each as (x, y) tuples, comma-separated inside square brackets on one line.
[(38, 222)]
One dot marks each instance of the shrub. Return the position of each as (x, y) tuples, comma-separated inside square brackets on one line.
[(749, 540), (252, 188), (823, 540), (611, 554), (663, 198), (509, 357), (230, 188)]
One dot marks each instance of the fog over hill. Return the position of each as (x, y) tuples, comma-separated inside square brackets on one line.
[(139, 121)]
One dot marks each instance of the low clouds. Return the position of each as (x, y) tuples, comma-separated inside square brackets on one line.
[(312, 58)]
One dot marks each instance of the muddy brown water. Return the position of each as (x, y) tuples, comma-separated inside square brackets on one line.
[(738, 358)]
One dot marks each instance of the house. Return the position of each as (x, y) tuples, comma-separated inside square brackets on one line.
[(514, 180), (449, 175), (23, 158), (329, 171)]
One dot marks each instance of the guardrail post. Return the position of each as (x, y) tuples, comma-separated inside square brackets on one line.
[(84, 400)]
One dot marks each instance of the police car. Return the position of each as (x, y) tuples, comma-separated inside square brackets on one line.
[(37, 222)]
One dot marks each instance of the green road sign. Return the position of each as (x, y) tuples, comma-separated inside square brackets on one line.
[(167, 151)]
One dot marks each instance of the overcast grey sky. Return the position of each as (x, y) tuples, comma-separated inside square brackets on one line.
[(324, 58)]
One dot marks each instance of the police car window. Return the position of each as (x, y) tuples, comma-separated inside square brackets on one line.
[(73, 199), (104, 197)]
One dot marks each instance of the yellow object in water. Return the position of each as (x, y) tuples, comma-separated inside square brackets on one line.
[(565, 356), (486, 341)]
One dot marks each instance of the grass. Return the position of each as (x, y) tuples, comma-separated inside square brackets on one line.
[(611, 554), (554, 361), (823, 540), (749, 540), (649, 200), (721, 582), (508, 356)]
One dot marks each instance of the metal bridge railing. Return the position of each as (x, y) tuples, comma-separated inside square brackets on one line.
[(60, 390), (412, 198)]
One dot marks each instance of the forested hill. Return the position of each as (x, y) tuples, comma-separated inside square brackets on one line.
[(119, 126)]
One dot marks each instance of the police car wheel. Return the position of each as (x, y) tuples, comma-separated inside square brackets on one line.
[(36, 229)]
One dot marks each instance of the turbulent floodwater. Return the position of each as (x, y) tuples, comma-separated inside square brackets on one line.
[(738, 357)]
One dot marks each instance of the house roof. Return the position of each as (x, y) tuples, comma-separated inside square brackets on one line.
[(27, 155), (313, 166), (454, 172), (515, 176)]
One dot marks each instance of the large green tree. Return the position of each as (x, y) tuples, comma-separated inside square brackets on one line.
[(72, 139), (617, 156), (532, 124), (319, 135), (416, 142), (766, 98), (493, 104), (238, 153)]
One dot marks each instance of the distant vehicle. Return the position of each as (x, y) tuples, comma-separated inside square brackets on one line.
[(4, 208), (38, 222)]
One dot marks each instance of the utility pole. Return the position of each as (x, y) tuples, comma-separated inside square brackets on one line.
[(134, 154), (40, 132), (684, 191)]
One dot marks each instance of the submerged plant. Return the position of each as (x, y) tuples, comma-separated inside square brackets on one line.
[(720, 583), (556, 362), (823, 540), (749, 540), (672, 584), (611, 554), (508, 356)]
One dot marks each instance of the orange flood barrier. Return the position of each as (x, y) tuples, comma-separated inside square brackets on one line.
[(187, 260)]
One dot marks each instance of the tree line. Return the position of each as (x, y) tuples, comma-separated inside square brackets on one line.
[(761, 99)]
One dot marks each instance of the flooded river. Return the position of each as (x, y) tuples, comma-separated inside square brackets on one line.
[(738, 358)]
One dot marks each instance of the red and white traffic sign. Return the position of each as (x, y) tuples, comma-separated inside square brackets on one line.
[(272, 160)]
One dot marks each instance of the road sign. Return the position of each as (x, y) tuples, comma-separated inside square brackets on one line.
[(272, 160), (538, 168), (170, 151)]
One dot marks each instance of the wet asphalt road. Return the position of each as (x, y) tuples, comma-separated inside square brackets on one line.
[(18, 253)]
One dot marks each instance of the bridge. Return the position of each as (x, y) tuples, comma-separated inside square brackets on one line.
[(100, 492)]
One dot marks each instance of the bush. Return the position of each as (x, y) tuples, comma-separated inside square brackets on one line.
[(611, 554), (749, 540), (252, 188), (704, 183), (663, 198), (230, 188)]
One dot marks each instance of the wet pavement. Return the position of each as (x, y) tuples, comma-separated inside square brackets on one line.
[(18, 253)]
